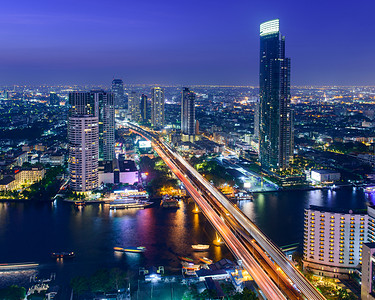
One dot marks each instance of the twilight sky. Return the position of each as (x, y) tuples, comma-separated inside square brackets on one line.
[(183, 42)]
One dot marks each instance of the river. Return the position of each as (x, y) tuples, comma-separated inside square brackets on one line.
[(29, 232)]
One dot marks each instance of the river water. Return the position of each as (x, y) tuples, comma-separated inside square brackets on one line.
[(29, 232)]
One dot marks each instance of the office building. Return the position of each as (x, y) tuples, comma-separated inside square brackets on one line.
[(54, 99), (188, 113), (106, 117), (275, 128), (118, 92), (144, 108), (325, 176), (134, 107), (157, 108), (83, 136), (333, 240)]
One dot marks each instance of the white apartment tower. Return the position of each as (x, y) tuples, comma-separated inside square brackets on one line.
[(333, 240), (83, 135)]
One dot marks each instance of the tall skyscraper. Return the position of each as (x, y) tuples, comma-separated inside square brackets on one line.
[(83, 135), (157, 107), (118, 91), (275, 140), (144, 109), (106, 117), (133, 107), (187, 112)]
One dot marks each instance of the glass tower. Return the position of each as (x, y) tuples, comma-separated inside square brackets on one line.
[(118, 91), (187, 112), (275, 117)]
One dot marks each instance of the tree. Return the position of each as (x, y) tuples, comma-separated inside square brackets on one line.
[(14, 292), (80, 284), (245, 295)]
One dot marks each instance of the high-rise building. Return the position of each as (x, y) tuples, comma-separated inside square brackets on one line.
[(157, 107), (118, 91), (334, 239), (144, 109), (83, 135), (187, 112), (106, 117), (133, 107), (54, 99), (275, 128)]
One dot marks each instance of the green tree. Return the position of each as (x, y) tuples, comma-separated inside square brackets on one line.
[(245, 295), (80, 284), (13, 292)]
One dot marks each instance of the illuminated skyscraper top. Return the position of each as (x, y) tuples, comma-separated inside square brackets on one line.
[(275, 117), (269, 27)]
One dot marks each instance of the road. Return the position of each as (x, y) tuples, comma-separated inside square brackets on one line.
[(200, 189)]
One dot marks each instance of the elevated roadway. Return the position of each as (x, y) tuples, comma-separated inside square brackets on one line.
[(237, 230)]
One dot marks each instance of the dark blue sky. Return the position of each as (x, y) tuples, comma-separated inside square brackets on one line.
[(183, 42)]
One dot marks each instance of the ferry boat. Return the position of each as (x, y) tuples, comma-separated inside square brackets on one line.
[(200, 247), (130, 249), (206, 260), (186, 259), (169, 202), (129, 203), (191, 266), (63, 254)]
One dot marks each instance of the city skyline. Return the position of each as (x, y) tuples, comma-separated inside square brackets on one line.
[(37, 38)]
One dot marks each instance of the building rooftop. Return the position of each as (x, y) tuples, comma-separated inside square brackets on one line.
[(127, 166), (339, 210), (6, 180), (325, 171)]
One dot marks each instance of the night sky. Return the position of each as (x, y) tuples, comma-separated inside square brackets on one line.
[(330, 42)]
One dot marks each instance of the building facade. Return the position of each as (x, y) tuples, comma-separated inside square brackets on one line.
[(134, 107), (144, 109), (54, 99), (188, 112), (275, 128), (106, 117), (368, 272), (157, 107), (256, 119), (333, 240), (83, 136), (118, 92)]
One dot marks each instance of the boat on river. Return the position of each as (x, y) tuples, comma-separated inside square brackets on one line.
[(186, 259), (63, 254), (206, 260), (200, 247), (139, 249), (129, 203), (169, 202)]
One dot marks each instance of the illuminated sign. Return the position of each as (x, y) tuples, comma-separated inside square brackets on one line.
[(144, 144), (269, 27)]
